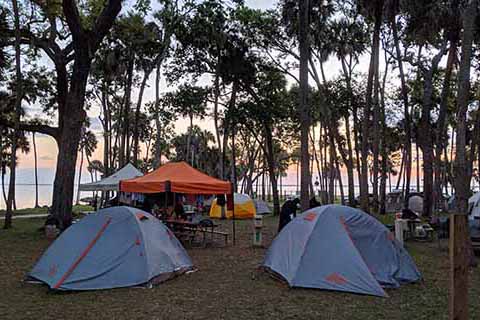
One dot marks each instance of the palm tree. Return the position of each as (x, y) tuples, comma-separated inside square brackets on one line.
[(188, 101), (3, 159), (375, 10), (35, 168), (304, 107), (391, 12), (459, 269), (18, 106)]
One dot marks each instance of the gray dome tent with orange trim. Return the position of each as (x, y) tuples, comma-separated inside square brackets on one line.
[(115, 247), (340, 248)]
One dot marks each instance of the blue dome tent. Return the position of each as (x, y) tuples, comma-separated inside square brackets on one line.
[(115, 247), (340, 248)]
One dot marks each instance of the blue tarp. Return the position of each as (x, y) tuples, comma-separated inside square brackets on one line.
[(115, 247), (340, 248)]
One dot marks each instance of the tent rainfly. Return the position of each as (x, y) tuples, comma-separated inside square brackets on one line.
[(115, 247), (110, 183), (244, 208), (340, 248)]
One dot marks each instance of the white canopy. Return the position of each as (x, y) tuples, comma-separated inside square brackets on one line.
[(110, 183)]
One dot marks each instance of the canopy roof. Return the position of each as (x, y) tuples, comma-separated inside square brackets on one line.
[(110, 183), (176, 177)]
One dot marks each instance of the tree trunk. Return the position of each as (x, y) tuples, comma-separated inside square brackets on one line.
[(35, 162), (230, 124), (216, 93), (407, 119), (2, 167), (441, 133), (189, 140), (357, 143), (338, 174), (400, 173), (459, 294), (234, 159), (158, 138), (304, 107), (106, 129), (79, 177), (263, 175), (426, 139), (18, 106), (3, 187), (349, 161), (331, 175), (124, 153), (364, 203), (383, 144), (136, 150), (69, 139), (376, 134), (270, 156), (418, 165), (297, 185), (349, 164)]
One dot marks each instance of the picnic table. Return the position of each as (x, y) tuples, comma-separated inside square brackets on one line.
[(187, 230)]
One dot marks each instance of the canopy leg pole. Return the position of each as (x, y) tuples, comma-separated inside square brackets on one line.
[(233, 215)]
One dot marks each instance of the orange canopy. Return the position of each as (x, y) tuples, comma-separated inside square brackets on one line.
[(176, 177)]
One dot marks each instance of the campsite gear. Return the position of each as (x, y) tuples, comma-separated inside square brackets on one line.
[(244, 208), (409, 214), (400, 227), (289, 209), (415, 203), (257, 230), (188, 230), (51, 231), (340, 248), (261, 207), (115, 247), (111, 182), (420, 232)]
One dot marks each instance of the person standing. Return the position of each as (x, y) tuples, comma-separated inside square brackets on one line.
[(288, 210)]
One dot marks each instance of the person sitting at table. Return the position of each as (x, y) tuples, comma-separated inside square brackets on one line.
[(412, 218), (179, 210)]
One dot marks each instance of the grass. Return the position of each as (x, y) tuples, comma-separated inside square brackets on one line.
[(226, 286), (44, 210)]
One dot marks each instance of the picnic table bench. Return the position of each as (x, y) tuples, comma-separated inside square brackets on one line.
[(186, 231)]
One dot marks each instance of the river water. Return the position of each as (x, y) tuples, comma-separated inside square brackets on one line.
[(25, 187)]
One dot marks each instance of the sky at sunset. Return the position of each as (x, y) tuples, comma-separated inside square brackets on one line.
[(47, 150)]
